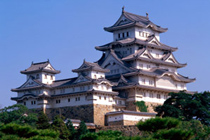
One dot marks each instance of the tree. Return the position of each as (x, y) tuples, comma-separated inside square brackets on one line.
[(71, 129), (186, 107), (82, 129), (59, 125), (17, 113), (43, 121)]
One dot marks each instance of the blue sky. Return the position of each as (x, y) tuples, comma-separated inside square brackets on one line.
[(66, 32)]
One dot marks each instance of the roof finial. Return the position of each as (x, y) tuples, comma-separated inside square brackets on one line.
[(32, 63), (147, 15), (84, 60), (123, 9), (48, 60)]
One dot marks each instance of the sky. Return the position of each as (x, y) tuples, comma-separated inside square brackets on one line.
[(66, 32)]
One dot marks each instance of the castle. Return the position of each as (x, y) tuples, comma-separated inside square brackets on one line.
[(135, 66)]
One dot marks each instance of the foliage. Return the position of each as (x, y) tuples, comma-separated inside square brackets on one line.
[(43, 121), (17, 113), (173, 134), (103, 135), (155, 124), (16, 131), (141, 106), (60, 126), (71, 129), (82, 129), (187, 107)]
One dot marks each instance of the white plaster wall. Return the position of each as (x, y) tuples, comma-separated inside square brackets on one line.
[(109, 100), (47, 80), (139, 63), (128, 117), (130, 30), (147, 30), (64, 101), (147, 81), (96, 75), (154, 53)]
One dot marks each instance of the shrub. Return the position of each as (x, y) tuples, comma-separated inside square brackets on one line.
[(155, 124), (173, 134)]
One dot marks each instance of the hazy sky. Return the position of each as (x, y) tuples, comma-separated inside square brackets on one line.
[(66, 32)]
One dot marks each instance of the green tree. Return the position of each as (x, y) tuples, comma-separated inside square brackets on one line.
[(43, 121), (59, 125), (141, 106), (82, 129), (186, 107), (17, 113), (71, 129)]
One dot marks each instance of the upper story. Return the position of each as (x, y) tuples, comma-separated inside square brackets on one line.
[(134, 26), (42, 72)]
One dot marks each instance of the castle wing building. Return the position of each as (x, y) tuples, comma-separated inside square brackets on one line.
[(134, 67)]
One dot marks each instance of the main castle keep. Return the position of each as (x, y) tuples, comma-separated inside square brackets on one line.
[(135, 66)]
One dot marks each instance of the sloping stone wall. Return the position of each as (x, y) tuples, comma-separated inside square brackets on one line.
[(83, 112), (151, 106), (131, 130), (99, 113)]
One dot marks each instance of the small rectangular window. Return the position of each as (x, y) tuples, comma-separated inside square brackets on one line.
[(143, 81), (158, 96), (150, 82), (104, 97), (151, 95), (99, 97), (123, 35), (45, 76), (148, 66), (127, 34), (119, 35), (24, 103), (69, 99)]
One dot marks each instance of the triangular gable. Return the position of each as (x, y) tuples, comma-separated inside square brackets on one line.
[(171, 59), (122, 20), (30, 83), (146, 54), (81, 78), (49, 67), (112, 61), (155, 41)]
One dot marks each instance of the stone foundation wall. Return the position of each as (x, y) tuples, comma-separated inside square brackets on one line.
[(83, 112), (126, 122), (151, 106), (130, 106), (99, 113), (126, 130)]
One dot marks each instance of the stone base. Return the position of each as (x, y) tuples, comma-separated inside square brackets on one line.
[(99, 113), (83, 112), (122, 122), (131, 106), (151, 106)]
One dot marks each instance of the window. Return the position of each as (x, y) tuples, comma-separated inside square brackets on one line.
[(24, 103), (123, 35), (51, 77), (157, 55), (45, 76), (62, 91), (69, 99), (176, 85), (141, 66), (150, 82), (148, 66), (165, 96), (120, 102), (127, 34), (99, 97), (143, 81), (37, 76), (104, 97), (95, 76), (77, 99), (33, 102), (144, 94), (85, 97), (57, 101), (151, 95), (37, 91), (73, 89), (119, 35), (88, 87), (158, 96), (130, 50)]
